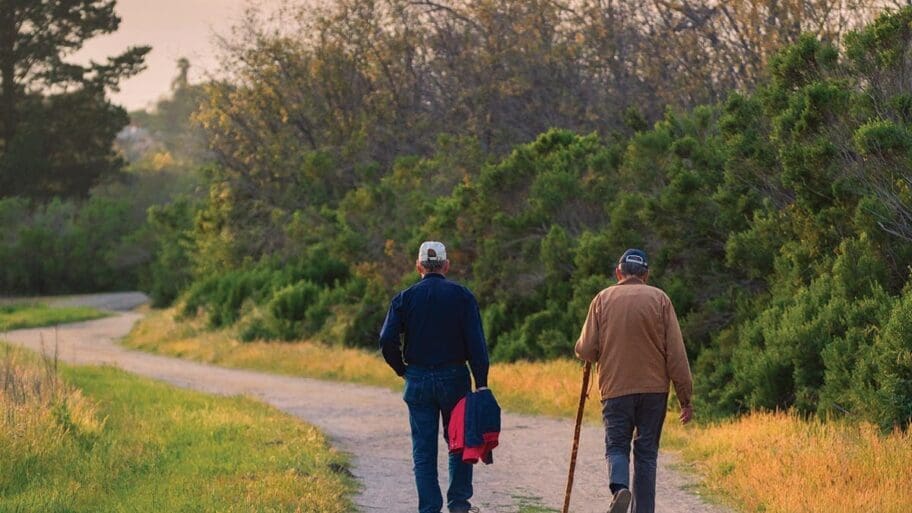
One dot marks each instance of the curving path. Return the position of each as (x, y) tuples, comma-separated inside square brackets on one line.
[(371, 424)]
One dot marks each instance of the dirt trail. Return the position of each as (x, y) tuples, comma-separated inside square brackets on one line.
[(371, 424)]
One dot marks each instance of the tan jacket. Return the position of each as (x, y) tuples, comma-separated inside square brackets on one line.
[(633, 334)]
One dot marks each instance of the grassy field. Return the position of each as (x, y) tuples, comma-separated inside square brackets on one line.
[(772, 463), (33, 315), (779, 463), (89, 439)]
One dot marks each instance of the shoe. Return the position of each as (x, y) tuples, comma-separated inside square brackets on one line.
[(473, 509), (621, 501)]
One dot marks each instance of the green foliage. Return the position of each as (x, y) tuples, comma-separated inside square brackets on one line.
[(130, 232), (285, 315), (883, 138), (542, 335), (105, 239), (56, 124), (291, 303), (892, 355), (62, 146), (63, 246), (778, 221), (170, 270), (281, 300)]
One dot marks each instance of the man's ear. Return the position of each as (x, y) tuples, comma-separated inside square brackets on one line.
[(446, 267), (418, 268), (617, 273)]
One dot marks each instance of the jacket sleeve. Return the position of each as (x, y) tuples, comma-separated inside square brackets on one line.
[(676, 364), (587, 346), (475, 343), (390, 336)]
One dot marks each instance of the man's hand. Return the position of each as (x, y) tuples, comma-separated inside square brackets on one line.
[(686, 414)]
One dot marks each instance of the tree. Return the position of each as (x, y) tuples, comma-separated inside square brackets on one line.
[(37, 83), (171, 121)]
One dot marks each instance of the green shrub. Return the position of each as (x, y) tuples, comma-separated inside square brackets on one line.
[(882, 137), (542, 335), (350, 314), (255, 324), (288, 308), (222, 295), (170, 271), (66, 246), (892, 354)]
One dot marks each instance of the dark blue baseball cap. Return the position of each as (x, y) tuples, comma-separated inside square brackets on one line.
[(634, 256)]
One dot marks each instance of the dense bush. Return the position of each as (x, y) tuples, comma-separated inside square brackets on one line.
[(779, 222), (275, 299), (130, 232), (170, 270), (65, 246), (892, 357)]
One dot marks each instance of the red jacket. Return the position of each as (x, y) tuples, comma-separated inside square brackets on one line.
[(482, 425)]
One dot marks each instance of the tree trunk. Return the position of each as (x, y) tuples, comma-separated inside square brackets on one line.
[(8, 116)]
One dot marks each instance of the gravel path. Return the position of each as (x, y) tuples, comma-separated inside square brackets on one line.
[(115, 301), (371, 424)]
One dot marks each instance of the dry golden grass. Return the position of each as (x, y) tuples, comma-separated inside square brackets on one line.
[(544, 388), (161, 332), (779, 463), (772, 463), (38, 410)]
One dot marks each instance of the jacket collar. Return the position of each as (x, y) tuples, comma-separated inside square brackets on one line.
[(631, 280), (433, 275)]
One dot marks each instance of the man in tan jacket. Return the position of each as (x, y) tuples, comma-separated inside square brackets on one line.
[(633, 335)]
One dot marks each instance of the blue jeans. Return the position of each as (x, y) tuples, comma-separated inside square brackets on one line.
[(645, 413), (431, 395)]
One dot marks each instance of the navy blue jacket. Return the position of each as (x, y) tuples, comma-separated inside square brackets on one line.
[(482, 417), (441, 324)]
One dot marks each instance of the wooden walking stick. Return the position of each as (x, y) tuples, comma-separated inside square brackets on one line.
[(576, 435)]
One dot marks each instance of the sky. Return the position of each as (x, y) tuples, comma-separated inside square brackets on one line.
[(174, 29)]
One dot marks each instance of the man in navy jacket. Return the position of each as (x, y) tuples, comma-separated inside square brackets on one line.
[(431, 330)]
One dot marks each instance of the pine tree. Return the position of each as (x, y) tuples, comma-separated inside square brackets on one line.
[(56, 124)]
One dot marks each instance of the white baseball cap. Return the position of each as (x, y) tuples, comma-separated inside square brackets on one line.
[(432, 251)]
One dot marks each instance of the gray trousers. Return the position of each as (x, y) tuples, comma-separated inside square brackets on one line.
[(641, 415)]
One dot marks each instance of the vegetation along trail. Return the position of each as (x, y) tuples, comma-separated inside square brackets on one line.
[(370, 423)]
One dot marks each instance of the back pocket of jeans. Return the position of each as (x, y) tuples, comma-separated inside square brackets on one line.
[(411, 392)]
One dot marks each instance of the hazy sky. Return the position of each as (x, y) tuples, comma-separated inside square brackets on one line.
[(174, 29)]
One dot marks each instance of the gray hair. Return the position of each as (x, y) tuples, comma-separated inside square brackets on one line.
[(633, 269), (433, 266)]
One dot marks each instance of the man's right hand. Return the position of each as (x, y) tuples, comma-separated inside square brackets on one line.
[(686, 414)]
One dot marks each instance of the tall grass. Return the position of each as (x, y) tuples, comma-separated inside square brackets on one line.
[(781, 463), (40, 413), (91, 439), (161, 332), (764, 462)]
